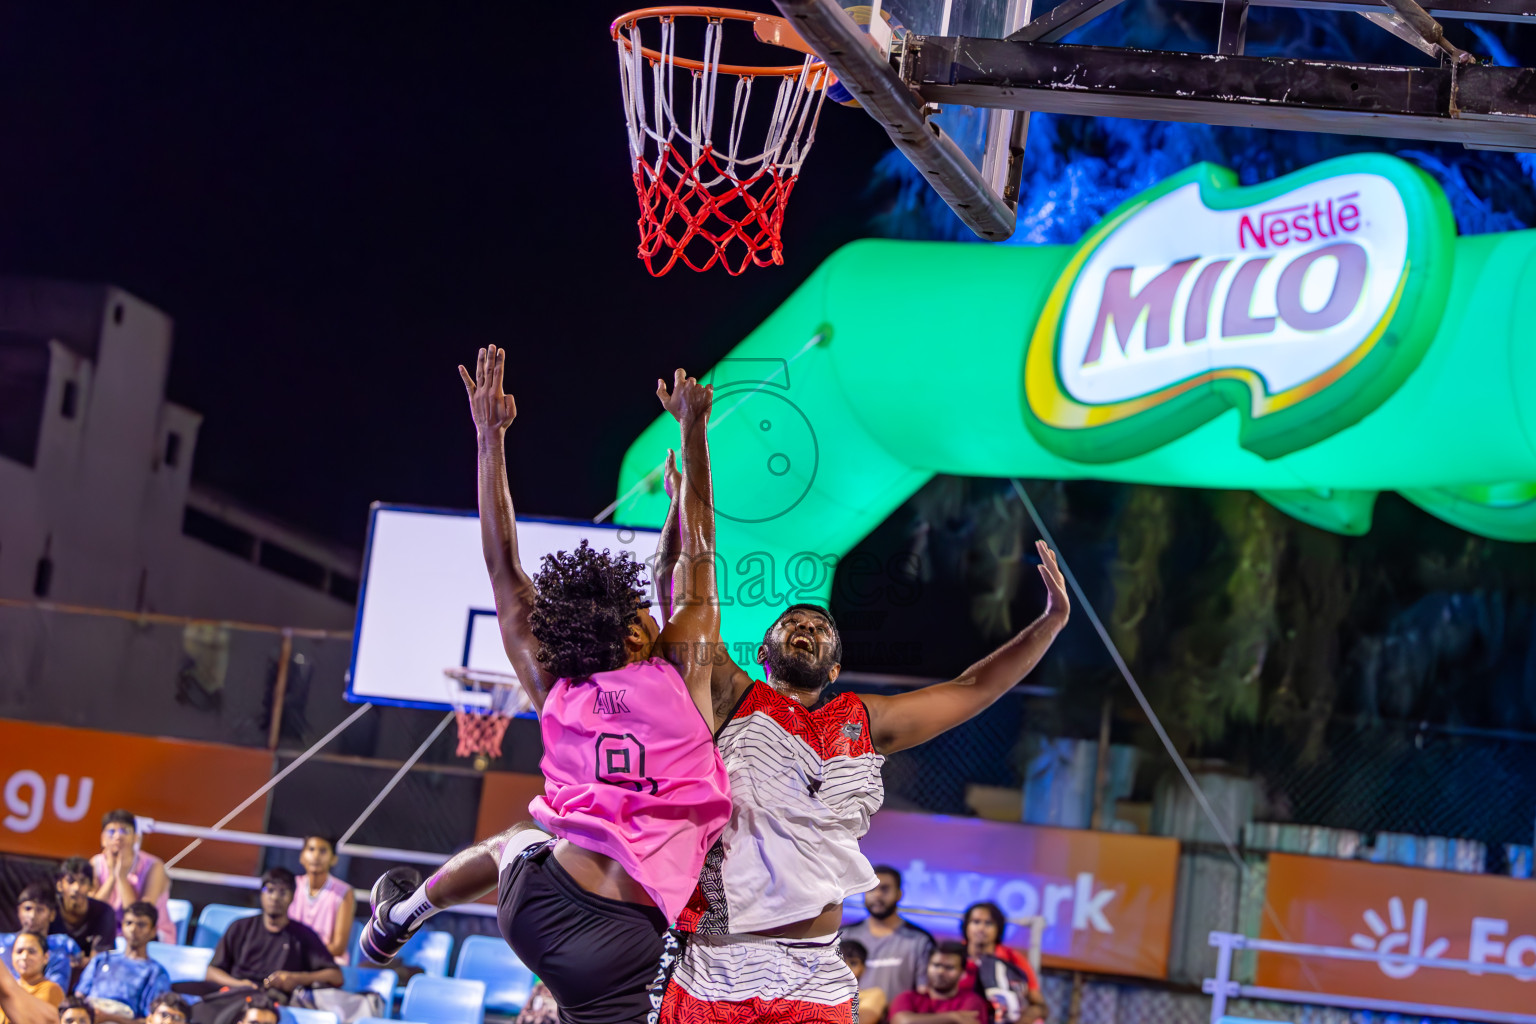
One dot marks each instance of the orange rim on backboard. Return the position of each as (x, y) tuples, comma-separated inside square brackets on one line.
[(768, 28)]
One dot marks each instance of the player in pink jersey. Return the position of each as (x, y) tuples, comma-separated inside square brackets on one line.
[(761, 931), (635, 791)]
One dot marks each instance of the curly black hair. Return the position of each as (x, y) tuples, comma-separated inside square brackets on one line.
[(586, 602)]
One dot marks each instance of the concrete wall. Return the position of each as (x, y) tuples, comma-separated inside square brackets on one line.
[(104, 508)]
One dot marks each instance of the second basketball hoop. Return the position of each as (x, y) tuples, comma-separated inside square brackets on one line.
[(708, 194), (484, 703)]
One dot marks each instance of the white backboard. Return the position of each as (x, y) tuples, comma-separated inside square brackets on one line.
[(425, 605)]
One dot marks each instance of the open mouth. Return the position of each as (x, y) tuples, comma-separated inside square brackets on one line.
[(802, 643)]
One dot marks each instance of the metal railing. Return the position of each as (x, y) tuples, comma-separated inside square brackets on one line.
[(1222, 988), (168, 828)]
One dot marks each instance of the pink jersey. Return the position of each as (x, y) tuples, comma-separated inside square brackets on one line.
[(631, 772), (143, 865), (319, 911)]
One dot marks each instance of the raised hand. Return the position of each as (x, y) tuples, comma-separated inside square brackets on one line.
[(1056, 602), (689, 401), (492, 409)]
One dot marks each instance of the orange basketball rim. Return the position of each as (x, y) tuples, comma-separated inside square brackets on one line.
[(707, 194)]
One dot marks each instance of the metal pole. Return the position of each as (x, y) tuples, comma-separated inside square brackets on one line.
[(1223, 976), (280, 689)]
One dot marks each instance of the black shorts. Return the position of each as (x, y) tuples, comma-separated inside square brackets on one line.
[(598, 956)]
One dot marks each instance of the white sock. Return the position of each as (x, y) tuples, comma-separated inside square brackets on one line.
[(415, 907)]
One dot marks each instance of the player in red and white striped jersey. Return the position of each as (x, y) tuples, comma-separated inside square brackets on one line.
[(760, 935)]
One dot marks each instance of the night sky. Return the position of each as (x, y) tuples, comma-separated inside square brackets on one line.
[(340, 202)]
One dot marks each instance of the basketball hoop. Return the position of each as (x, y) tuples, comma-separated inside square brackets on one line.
[(484, 703), (706, 197)]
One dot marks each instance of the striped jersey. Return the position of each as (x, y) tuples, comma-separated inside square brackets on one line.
[(803, 786)]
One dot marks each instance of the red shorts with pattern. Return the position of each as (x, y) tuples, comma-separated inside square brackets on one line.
[(753, 980)]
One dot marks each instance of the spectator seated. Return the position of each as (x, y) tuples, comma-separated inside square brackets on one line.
[(123, 987), (943, 995), (89, 921), (266, 952), (35, 908)]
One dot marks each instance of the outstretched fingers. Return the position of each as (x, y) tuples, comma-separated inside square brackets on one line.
[(469, 382), (498, 368)]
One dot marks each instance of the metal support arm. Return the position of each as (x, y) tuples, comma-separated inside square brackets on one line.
[(869, 76)]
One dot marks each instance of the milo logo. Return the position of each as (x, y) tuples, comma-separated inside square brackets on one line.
[(1301, 304)]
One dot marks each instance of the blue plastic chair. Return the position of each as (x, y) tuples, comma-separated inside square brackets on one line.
[(182, 963), (507, 982), (435, 1000), (427, 950), (181, 915), (430, 951), (369, 979), (299, 1015), (215, 920)]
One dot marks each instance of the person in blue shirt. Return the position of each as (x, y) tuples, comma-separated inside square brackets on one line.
[(35, 908), (123, 987)]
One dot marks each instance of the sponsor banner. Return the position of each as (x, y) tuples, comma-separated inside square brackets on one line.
[(1412, 911), (1302, 303), (1107, 899), (59, 781)]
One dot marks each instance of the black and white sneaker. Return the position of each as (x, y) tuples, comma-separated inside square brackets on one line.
[(382, 938)]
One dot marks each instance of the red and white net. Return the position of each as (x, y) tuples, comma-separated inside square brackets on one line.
[(484, 704), (712, 190)]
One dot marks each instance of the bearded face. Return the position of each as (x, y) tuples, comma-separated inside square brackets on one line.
[(801, 650)]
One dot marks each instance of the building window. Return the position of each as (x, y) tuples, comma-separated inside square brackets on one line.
[(218, 533), (42, 580), (291, 564), (23, 396), (70, 400), (172, 448)]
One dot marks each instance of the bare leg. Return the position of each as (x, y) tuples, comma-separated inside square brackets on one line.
[(472, 873), (466, 877)]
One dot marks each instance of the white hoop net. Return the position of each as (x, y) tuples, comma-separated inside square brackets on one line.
[(707, 194), (484, 704)]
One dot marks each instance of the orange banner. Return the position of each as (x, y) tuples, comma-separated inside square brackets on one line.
[(1107, 898), (1412, 911), (58, 782)]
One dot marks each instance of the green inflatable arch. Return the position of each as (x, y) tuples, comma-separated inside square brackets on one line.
[(1317, 339)]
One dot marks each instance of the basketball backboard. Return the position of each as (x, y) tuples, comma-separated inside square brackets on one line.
[(983, 134), (425, 604)]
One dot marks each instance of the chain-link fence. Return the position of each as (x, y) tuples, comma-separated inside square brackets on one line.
[(1408, 778)]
